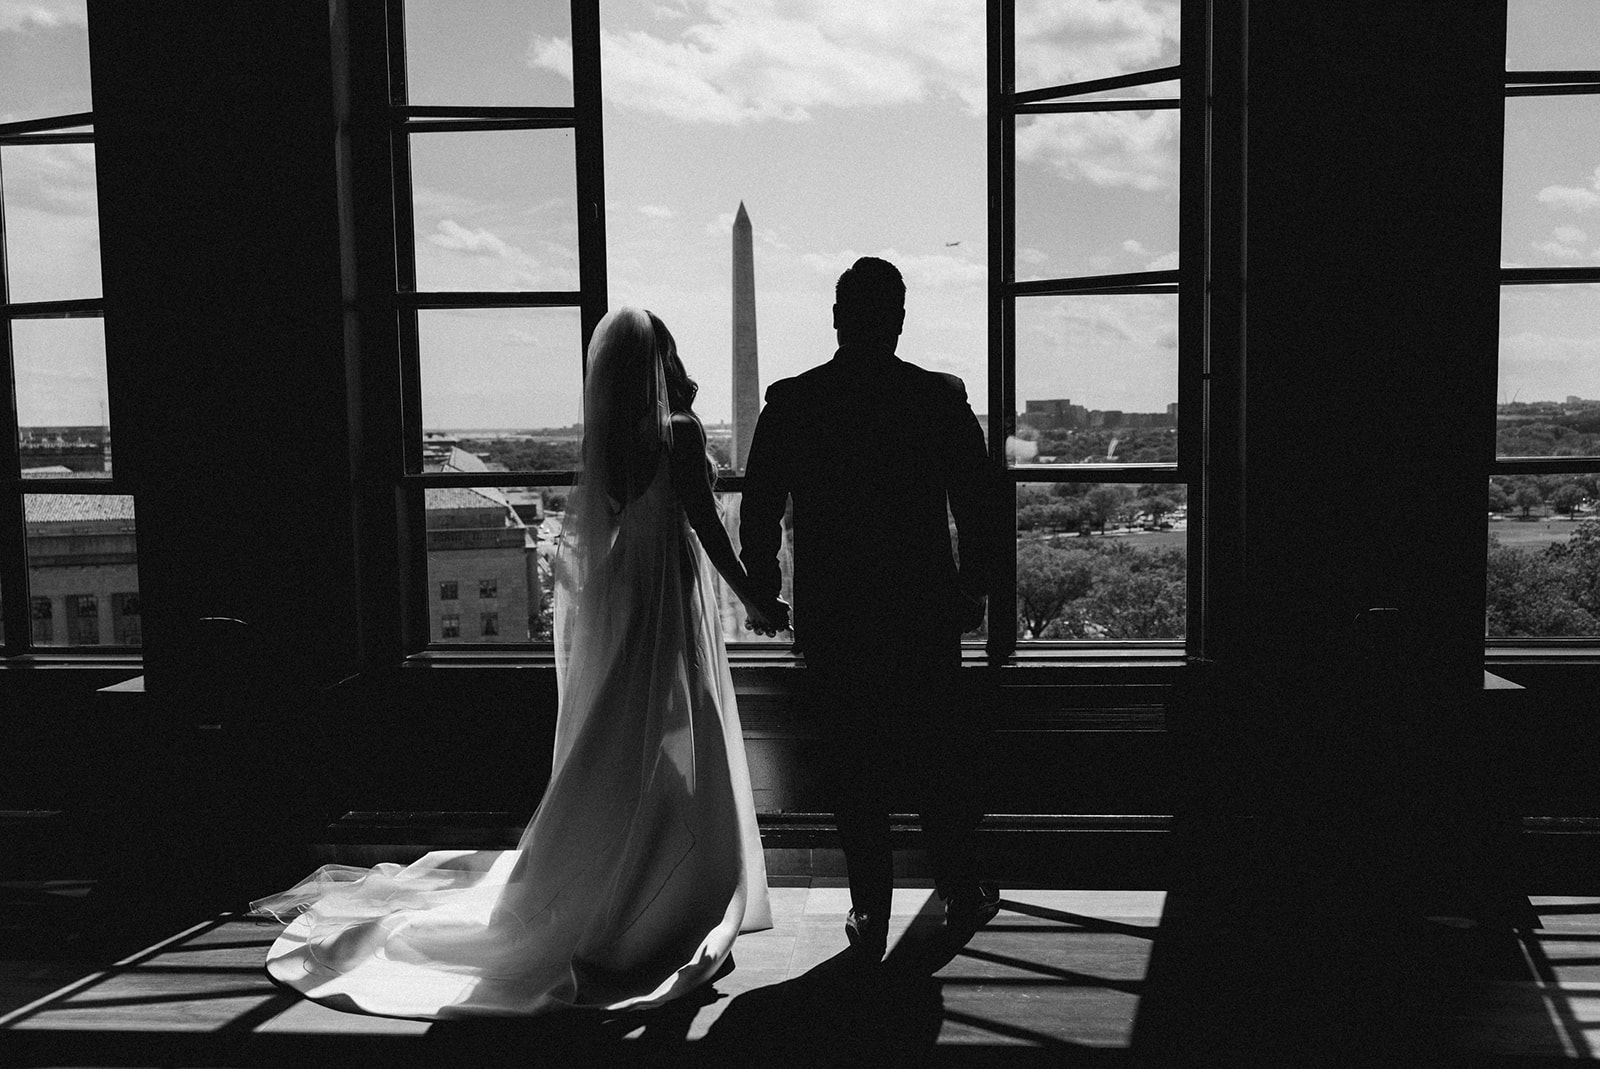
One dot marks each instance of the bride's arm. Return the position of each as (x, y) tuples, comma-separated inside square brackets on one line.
[(691, 480)]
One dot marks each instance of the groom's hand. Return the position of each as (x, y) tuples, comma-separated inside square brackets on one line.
[(768, 618)]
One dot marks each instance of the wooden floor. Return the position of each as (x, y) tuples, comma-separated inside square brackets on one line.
[(1062, 977)]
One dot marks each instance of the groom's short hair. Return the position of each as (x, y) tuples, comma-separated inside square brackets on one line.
[(870, 289)]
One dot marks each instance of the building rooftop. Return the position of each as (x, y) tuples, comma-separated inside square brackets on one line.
[(77, 508), (464, 497)]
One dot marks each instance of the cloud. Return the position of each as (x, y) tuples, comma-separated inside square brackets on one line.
[(1569, 235), (480, 259), (41, 14), (1132, 149), (1030, 255), (1077, 40), (657, 211), (1557, 251), (738, 61), (452, 235), (1135, 247), (1572, 198), (59, 179), (1165, 262)]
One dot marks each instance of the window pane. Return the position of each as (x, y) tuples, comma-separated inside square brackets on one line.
[(1549, 383), (52, 221), (1544, 556), (61, 396), (503, 52), (44, 59), (496, 210), (1097, 379), (1552, 35), (1096, 193), (505, 369), (1060, 43), (1552, 187), (83, 576), (1101, 560), (479, 539)]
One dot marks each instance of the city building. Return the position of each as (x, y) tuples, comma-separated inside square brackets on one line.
[(484, 569), (83, 579), (83, 449)]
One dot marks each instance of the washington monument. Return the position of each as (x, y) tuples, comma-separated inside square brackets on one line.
[(746, 375)]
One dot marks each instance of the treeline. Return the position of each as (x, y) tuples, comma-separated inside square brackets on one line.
[(523, 455), (1523, 494), (1072, 508), (1135, 445), (1547, 429), (1554, 592), (1069, 588)]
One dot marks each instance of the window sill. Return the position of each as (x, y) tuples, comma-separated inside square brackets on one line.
[(131, 662), (1166, 656), (1564, 654)]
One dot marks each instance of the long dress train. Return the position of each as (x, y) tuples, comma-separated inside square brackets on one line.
[(642, 862)]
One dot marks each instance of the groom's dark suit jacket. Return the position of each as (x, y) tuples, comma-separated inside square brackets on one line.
[(871, 448)]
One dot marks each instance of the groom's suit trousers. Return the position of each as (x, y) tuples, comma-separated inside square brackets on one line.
[(894, 737)]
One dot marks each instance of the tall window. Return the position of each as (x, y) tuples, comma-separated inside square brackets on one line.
[(499, 229), (1544, 499), (66, 523), (1096, 314)]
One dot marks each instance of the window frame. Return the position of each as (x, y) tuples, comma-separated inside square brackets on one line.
[(16, 597), (1533, 83), (400, 300), (1191, 282)]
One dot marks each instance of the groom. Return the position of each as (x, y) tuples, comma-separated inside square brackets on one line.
[(872, 449)]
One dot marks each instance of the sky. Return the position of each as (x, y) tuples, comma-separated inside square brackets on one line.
[(846, 129)]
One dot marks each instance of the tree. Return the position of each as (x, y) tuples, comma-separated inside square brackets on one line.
[(1529, 594), (1049, 578), (1131, 602), (1156, 506), (1580, 557), (1106, 503), (1567, 498), (1527, 498)]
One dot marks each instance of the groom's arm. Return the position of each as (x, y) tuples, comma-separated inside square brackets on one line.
[(766, 492), (977, 500)]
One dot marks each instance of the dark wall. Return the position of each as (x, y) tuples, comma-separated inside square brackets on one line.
[(219, 219), (1372, 257)]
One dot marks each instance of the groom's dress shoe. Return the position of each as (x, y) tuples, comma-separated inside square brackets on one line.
[(970, 908), (868, 935)]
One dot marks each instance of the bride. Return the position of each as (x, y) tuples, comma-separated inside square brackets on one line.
[(642, 862)]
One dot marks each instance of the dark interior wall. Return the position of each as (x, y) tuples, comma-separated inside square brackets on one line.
[(1372, 257), (1372, 177), (219, 219)]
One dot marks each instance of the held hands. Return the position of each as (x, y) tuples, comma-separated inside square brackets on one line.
[(766, 616)]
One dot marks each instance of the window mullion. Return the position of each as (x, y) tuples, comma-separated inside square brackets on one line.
[(13, 525), (588, 143), (1194, 240), (1002, 623)]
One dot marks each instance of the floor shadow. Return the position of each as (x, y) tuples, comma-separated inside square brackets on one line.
[(1321, 963), (839, 1013)]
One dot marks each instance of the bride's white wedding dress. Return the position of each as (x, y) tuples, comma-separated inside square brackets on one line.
[(642, 862)]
